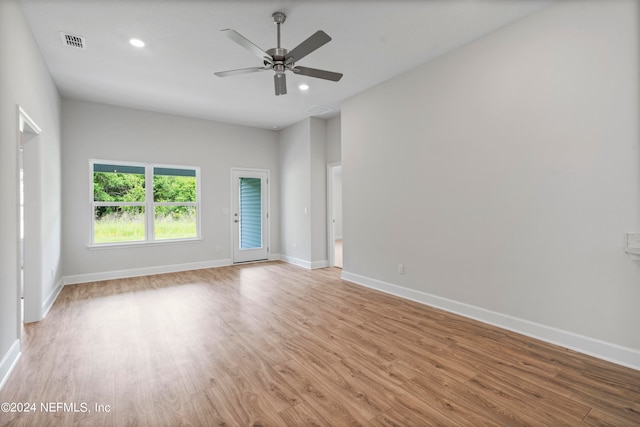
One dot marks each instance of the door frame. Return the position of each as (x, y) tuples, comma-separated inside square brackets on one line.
[(31, 310), (267, 224)]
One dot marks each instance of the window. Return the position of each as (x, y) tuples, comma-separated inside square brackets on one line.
[(175, 209), (144, 203), (118, 203)]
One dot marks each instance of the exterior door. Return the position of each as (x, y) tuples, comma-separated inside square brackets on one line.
[(250, 215)]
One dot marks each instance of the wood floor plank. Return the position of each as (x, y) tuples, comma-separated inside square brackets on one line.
[(275, 389), (239, 402), (320, 396), (364, 399), (399, 418), (495, 404), (425, 357), (602, 396), (275, 344), (311, 349), (618, 378), (526, 399), (303, 415), (342, 345), (602, 418), (446, 403)]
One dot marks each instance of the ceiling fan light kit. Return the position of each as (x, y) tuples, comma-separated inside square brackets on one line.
[(281, 60)]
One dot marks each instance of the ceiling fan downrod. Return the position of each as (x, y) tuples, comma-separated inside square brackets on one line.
[(278, 53), (278, 19)]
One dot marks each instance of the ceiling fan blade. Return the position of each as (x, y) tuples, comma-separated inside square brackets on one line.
[(320, 74), (316, 40), (280, 81), (239, 71), (244, 42)]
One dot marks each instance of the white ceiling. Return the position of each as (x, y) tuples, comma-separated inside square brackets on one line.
[(373, 40)]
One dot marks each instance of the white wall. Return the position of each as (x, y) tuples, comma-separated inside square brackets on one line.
[(318, 192), (25, 81), (294, 162), (505, 175), (303, 193), (334, 147), (97, 131)]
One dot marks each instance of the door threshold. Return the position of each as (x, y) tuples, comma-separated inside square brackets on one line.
[(252, 262)]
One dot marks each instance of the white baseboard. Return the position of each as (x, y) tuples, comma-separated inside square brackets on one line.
[(296, 261), (593, 347), (320, 264), (8, 362), (309, 265), (145, 271), (274, 257), (48, 303)]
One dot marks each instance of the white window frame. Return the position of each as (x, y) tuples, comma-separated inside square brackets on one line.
[(149, 204)]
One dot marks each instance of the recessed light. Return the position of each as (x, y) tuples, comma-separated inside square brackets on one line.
[(136, 42), (303, 87)]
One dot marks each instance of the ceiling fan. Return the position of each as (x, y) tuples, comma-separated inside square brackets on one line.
[(280, 60)]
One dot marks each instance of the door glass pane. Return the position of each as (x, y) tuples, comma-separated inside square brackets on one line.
[(250, 213)]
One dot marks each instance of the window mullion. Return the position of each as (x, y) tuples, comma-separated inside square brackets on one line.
[(175, 203), (149, 209), (118, 204)]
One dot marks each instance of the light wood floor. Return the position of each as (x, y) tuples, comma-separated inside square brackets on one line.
[(274, 344)]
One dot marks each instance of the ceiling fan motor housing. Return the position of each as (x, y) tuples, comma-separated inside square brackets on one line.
[(277, 53)]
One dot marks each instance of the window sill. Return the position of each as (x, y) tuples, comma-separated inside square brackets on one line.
[(123, 245)]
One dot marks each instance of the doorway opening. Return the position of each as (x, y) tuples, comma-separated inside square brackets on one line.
[(21, 228), (334, 205), (29, 302)]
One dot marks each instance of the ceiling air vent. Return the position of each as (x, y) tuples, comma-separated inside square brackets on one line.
[(318, 110), (73, 40)]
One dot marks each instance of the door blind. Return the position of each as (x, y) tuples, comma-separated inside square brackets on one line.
[(250, 213)]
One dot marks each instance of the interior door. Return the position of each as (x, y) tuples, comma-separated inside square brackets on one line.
[(250, 215)]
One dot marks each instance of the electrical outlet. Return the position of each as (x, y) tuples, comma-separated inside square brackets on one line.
[(217, 248), (401, 268)]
